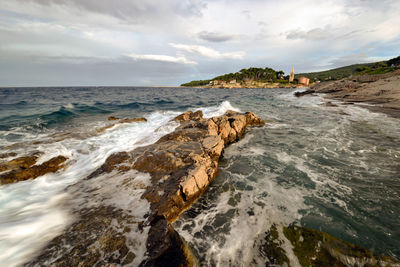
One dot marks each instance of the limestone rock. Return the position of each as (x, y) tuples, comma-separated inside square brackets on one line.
[(182, 165), (23, 168)]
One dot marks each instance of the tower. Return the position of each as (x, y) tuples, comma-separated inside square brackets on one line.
[(291, 78)]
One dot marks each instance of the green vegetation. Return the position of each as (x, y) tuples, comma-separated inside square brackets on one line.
[(255, 74), (357, 69), (268, 75), (335, 74)]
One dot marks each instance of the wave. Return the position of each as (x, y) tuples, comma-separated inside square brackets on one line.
[(49, 119), (22, 204)]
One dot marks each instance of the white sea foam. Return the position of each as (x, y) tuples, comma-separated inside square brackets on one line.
[(269, 203), (209, 112), (31, 212), (28, 205)]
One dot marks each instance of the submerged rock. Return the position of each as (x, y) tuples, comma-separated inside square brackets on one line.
[(307, 92), (316, 248), (23, 168)]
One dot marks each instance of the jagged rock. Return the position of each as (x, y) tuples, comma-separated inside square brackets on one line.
[(19, 163), (23, 168), (112, 118), (127, 120), (8, 155), (181, 164), (307, 92), (167, 247)]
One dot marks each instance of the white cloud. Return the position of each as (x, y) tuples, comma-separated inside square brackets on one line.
[(163, 58), (208, 52), (175, 35)]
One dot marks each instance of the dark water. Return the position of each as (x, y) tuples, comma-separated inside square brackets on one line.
[(335, 169)]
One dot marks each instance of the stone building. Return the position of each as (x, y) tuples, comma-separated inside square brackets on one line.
[(291, 78), (304, 80)]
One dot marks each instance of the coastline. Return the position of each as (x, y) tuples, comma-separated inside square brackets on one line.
[(254, 85), (377, 93)]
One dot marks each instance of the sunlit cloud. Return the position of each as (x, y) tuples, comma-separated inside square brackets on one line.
[(163, 58), (208, 52)]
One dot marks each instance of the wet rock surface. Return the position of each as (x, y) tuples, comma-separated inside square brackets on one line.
[(307, 92), (181, 166), (24, 168), (316, 248), (183, 163)]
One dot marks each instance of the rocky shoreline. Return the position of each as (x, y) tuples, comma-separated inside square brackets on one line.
[(181, 165), (251, 85), (160, 181), (378, 93)]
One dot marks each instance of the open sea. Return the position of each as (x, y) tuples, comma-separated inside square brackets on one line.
[(334, 169)]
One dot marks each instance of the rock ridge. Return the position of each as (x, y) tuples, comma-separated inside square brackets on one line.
[(181, 166)]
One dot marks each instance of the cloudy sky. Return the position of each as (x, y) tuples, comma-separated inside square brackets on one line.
[(167, 42)]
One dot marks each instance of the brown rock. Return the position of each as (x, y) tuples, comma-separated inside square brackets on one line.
[(182, 165), (8, 155), (127, 120), (189, 115), (167, 247), (112, 118), (23, 169)]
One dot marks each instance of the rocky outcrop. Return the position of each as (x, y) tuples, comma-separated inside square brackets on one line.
[(24, 168), (181, 165), (307, 92), (380, 90)]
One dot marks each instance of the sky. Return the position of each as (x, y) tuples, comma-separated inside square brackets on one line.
[(168, 42)]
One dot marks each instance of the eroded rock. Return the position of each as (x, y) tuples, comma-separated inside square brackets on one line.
[(23, 168), (183, 163), (181, 166)]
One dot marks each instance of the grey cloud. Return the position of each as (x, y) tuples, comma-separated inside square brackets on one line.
[(314, 34), (215, 36), (349, 60), (130, 11), (85, 71)]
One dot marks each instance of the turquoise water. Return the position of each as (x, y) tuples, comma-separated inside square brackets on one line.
[(334, 169)]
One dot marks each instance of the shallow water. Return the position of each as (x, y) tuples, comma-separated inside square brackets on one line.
[(311, 165)]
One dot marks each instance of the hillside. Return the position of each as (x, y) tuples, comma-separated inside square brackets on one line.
[(356, 69), (267, 77)]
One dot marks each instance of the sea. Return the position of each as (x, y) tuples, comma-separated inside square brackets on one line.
[(332, 167)]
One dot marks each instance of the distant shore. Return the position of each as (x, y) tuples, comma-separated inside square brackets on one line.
[(252, 85), (378, 93)]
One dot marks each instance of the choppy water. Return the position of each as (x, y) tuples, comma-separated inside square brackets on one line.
[(311, 165)]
